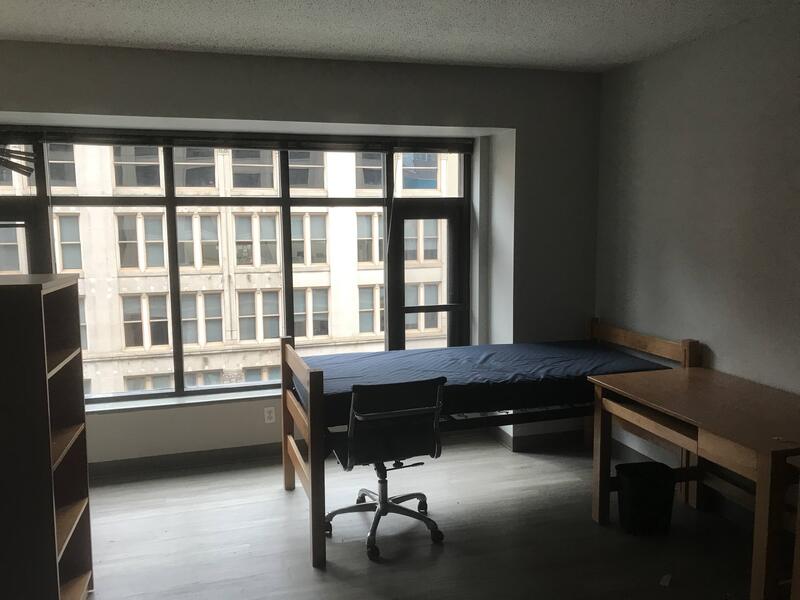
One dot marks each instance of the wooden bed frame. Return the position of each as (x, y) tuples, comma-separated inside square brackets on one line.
[(308, 465)]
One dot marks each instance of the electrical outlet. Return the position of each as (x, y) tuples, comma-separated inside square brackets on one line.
[(269, 414)]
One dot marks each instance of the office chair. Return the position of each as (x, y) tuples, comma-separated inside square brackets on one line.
[(391, 422)]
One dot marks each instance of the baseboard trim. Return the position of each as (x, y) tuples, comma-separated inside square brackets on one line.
[(153, 465)]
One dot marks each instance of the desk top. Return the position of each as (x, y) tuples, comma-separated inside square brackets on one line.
[(759, 417)]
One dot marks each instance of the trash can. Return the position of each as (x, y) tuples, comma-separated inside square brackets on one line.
[(645, 497)]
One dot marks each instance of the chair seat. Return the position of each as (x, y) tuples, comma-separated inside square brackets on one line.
[(386, 449)]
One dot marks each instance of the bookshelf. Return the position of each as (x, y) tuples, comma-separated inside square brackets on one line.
[(49, 550)]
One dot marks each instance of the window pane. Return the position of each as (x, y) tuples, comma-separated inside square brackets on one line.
[(13, 256), (213, 316), (185, 241), (300, 313), (366, 311), (410, 228), (69, 229), (306, 170), (70, 242), (269, 243), (154, 236), (189, 318), (61, 165), (209, 242), (252, 374), (252, 169), (369, 171), (128, 245), (427, 281), (428, 174), (364, 229), (159, 329), (319, 302), (137, 166), (244, 240), (194, 168), (319, 251)]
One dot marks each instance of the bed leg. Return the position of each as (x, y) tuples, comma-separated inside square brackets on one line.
[(316, 459), (287, 423)]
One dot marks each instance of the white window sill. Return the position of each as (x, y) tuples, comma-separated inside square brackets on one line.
[(172, 402)]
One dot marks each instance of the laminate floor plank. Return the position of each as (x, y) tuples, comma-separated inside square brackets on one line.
[(516, 526)]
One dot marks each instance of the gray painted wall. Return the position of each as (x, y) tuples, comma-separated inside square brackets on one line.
[(699, 198)]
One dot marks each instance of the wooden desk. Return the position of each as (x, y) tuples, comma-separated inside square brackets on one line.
[(748, 428), (795, 462)]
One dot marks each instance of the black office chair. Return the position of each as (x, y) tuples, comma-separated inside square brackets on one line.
[(391, 422)]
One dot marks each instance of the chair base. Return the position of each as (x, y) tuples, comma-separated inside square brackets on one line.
[(381, 504)]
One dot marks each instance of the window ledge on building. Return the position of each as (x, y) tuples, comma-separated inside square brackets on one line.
[(172, 402)]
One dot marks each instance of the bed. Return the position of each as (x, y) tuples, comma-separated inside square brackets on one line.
[(486, 385)]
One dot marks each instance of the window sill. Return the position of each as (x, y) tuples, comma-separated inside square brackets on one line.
[(172, 402)]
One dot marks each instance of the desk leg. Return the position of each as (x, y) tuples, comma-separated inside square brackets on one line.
[(796, 567), (767, 527), (601, 465)]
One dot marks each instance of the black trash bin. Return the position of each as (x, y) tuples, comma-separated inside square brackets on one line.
[(645, 497)]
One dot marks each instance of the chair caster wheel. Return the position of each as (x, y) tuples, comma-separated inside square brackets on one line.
[(361, 500), (437, 537), (422, 507), (373, 553), (328, 528)]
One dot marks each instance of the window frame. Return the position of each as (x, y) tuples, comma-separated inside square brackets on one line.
[(41, 244)]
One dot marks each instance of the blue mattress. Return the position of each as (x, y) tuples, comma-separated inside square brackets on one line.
[(479, 378)]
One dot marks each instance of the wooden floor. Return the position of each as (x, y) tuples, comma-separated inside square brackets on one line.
[(516, 526)]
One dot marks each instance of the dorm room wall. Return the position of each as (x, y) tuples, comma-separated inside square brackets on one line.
[(699, 210), (544, 287)]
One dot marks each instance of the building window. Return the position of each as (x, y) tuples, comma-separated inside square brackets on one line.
[(410, 239), (412, 299), (256, 374), (154, 240), (364, 232), (431, 297), (82, 320), (380, 237), (209, 240), (306, 170), (243, 225), (420, 171), (140, 383), (185, 241), (136, 166), (87, 387), (159, 326), (319, 242), (298, 241), (369, 171), (319, 304), (270, 314), (269, 240), (247, 316), (380, 307), (9, 249), (132, 321), (194, 379), (252, 169), (430, 240), (70, 242), (128, 242), (6, 177), (366, 309), (61, 165), (212, 306), (300, 313), (189, 331), (194, 167)]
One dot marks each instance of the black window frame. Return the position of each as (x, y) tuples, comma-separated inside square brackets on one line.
[(34, 212)]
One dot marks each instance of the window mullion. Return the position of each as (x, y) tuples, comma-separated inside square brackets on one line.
[(174, 275)]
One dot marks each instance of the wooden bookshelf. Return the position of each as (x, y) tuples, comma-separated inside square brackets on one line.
[(43, 401)]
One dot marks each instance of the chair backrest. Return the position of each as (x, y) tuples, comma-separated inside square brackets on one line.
[(394, 421)]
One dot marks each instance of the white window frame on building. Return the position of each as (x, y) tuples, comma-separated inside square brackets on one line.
[(241, 163), (16, 245), (183, 165), (314, 163), (421, 235), (201, 379), (259, 316), (375, 238), (263, 373), (145, 243), (61, 244), (366, 162), (308, 295), (145, 321), (374, 309), (308, 218), (132, 163)]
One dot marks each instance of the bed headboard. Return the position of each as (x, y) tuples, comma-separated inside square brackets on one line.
[(685, 352)]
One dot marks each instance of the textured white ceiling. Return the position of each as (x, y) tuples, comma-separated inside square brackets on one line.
[(567, 34)]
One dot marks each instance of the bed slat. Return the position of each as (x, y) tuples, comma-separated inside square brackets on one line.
[(300, 465), (299, 415)]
